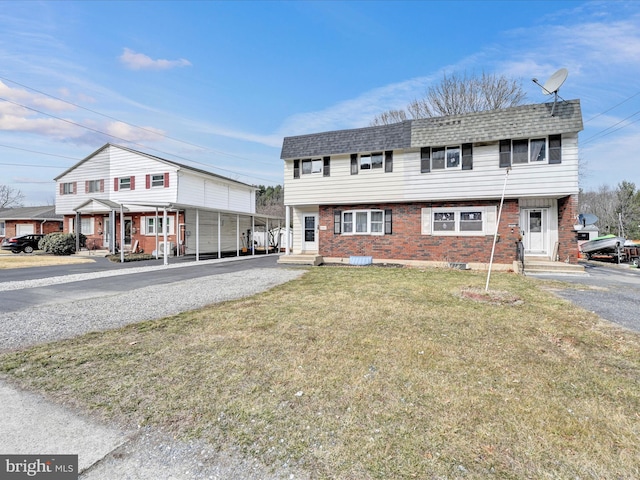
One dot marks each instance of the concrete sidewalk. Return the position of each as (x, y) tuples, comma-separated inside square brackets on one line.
[(33, 425)]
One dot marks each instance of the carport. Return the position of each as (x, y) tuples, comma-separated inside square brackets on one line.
[(198, 231)]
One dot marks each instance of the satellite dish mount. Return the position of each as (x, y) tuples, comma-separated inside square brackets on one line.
[(552, 86)]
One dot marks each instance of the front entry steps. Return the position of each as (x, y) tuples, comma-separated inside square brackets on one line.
[(301, 259), (543, 265)]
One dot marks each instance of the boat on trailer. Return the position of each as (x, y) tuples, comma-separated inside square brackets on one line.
[(605, 245)]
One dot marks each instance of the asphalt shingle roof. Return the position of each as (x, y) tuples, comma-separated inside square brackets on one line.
[(47, 212), (524, 121), (379, 138)]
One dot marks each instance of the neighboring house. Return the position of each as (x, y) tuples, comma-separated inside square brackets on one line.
[(123, 197), (429, 190), (26, 220)]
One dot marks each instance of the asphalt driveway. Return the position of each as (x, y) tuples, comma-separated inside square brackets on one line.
[(611, 291)]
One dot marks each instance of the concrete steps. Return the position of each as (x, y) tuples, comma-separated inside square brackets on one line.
[(544, 265), (301, 259)]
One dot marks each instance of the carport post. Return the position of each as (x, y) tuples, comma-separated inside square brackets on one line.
[(156, 229), (253, 234), (219, 237), (121, 233), (197, 234), (237, 235), (164, 236)]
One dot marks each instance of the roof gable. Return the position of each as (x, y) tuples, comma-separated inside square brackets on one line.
[(177, 165)]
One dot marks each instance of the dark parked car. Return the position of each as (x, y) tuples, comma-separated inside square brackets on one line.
[(23, 243)]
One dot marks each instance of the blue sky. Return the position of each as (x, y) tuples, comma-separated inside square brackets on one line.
[(219, 84)]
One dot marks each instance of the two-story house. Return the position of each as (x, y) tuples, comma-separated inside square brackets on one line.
[(122, 198), (430, 190)]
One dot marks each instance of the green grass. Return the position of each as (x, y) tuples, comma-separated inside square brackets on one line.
[(373, 373)]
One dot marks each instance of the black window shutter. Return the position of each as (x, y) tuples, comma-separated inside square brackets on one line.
[(425, 159), (388, 161), (388, 222), (326, 167), (354, 164), (296, 168), (467, 156), (505, 153), (337, 221), (555, 148)]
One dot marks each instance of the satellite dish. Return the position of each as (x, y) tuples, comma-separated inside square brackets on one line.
[(553, 85), (587, 219), (555, 82)]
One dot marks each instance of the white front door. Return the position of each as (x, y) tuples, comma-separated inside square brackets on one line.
[(535, 231), (310, 232)]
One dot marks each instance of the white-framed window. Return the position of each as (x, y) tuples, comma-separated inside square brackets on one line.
[(371, 161), (2, 229), (311, 165), (87, 225), (94, 186), (124, 183), (68, 188), (445, 158), (529, 151), (534, 150), (150, 225), (363, 222), (157, 180), (459, 221)]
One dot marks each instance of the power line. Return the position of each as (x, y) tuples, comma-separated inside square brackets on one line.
[(218, 152), (40, 153), (123, 139), (602, 132), (608, 110)]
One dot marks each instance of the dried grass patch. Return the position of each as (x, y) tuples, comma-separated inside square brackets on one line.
[(372, 373), (22, 260)]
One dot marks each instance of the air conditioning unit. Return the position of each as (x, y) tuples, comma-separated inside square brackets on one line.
[(168, 245)]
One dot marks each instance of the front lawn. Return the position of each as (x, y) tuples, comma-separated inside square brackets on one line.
[(373, 373)]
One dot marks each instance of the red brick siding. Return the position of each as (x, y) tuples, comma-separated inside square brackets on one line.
[(567, 242), (50, 226), (407, 242), (145, 242)]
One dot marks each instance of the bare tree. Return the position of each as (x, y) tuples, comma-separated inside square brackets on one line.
[(456, 95), (618, 211), (10, 197)]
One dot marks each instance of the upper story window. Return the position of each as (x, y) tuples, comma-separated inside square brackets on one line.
[(157, 180), (457, 157), (362, 222), (68, 188), (92, 186), (534, 150), (372, 161), (124, 183), (312, 166)]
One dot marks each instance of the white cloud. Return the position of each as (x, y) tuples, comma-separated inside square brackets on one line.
[(34, 100), (140, 61)]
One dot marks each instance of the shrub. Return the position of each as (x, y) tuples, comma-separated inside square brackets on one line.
[(60, 243)]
